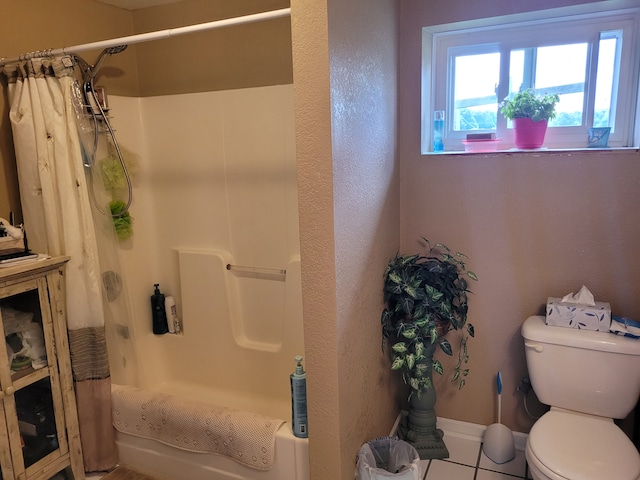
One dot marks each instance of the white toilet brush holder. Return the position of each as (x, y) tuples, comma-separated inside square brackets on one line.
[(498, 443)]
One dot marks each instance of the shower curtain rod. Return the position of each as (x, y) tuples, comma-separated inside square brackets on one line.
[(147, 37)]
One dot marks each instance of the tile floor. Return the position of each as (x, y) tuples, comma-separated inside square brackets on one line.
[(467, 462)]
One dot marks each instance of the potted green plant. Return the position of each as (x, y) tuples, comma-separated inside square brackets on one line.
[(530, 113), (426, 297)]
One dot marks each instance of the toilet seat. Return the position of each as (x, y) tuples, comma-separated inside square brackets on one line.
[(582, 447), (537, 470)]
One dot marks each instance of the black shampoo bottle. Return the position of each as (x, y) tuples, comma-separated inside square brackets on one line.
[(158, 313)]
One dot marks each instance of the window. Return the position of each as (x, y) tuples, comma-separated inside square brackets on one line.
[(589, 60)]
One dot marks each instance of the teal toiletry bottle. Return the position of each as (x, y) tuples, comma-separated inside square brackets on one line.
[(158, 313), (299, 400), (438, 131)]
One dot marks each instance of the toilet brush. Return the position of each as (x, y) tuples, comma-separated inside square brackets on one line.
[(498, 443)]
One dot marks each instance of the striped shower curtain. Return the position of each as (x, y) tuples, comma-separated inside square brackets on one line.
[(58, 218)]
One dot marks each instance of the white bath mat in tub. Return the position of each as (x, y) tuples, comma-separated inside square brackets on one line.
[(245, 437)]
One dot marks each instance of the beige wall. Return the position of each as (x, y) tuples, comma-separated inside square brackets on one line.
[(438, 12), (363, 44), (252, 55), (534, 225), (317, 250), (350, 401), (35, 25), (191, 63), (345, 67)]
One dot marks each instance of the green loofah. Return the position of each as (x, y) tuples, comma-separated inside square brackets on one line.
[(112, 173), (124, 223), (111, 168), (115, 183)]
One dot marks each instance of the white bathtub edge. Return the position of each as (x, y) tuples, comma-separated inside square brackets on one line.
[(169, 463)]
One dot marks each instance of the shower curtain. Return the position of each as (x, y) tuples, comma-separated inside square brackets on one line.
[(58, 219)]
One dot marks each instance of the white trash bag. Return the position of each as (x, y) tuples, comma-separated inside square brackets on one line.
[(387, 457)]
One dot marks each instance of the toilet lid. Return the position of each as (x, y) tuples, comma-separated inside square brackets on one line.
[(582, 447)]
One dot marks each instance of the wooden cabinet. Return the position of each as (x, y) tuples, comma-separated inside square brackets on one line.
[(39, 434)]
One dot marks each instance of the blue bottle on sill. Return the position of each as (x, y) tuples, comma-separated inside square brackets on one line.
[(438, 131)]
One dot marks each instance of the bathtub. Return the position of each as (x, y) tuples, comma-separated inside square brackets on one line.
[(169, 463), (235, 352)]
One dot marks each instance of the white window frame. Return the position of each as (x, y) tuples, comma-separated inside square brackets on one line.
[(500, 34)]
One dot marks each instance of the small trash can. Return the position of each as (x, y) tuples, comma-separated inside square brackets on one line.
[(387, 457)]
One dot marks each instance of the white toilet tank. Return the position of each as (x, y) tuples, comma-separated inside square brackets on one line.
[(597, 373)]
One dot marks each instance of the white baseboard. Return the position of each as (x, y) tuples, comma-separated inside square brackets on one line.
[(471, 431)]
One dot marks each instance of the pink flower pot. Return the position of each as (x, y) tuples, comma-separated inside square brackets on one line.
[(528, 134)]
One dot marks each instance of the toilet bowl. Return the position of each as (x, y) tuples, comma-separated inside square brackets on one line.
[(588, 378), (564, 445)]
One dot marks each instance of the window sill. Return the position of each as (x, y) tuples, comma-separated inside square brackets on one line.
[(539, 151)]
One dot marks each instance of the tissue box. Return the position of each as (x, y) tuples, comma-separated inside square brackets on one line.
[(574, 315)]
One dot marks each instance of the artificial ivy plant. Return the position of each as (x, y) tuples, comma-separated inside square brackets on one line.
[(425, 297)]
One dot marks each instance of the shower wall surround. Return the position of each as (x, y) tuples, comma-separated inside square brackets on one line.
[(216, 178)]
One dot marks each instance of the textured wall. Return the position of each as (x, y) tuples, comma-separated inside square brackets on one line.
[(533, 224), (363, 52), (315, 200), (345, 67)]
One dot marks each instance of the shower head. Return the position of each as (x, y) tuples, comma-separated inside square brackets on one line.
[(106, 51), (116, 49), (89, 71)]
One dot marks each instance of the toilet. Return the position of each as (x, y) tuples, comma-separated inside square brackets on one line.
[(588, 378)]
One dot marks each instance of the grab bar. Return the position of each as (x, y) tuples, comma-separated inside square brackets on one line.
[(258, 271)]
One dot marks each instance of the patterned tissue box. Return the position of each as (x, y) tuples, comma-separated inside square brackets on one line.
[(575, 315)]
